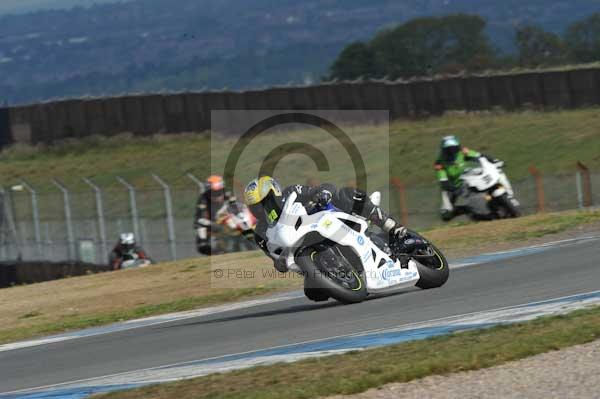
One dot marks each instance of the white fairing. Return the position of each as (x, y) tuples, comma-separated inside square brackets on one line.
[(486, 176), (287, 234), (132, 263)]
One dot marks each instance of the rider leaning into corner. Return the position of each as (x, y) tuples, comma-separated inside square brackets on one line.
[(265, 199), (209, 202), (124, 247), (449, 166)]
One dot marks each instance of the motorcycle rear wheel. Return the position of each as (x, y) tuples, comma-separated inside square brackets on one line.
[(347, 287)]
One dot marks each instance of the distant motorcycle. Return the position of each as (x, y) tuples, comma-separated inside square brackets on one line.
[(237, 225), (486, 192), (131, 260)]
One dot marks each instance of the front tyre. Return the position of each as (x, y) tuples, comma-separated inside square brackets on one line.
[(431, 263), (511, 210), (328, 274)]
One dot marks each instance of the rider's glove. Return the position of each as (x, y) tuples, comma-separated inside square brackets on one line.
[(398, 232), (322, 198)]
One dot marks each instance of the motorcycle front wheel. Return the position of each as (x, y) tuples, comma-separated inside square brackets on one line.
[(432, 265), (327, 273), (508, 207)]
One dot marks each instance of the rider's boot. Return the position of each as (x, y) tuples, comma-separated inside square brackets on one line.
[(362, 205)]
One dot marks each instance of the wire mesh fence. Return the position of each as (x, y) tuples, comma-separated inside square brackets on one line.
[(84, 224)]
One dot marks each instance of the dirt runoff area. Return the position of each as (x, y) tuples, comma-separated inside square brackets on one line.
[(569, 373)]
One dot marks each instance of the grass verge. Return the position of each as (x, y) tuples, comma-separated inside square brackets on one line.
[(56, 306), (358, 371), (565, 137), (461, 239), (88, 301), (75, 322)]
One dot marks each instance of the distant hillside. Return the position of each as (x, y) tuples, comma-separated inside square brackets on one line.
[(152, 45), (24, 6)]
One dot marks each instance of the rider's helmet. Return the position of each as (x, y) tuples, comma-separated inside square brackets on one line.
[(216, 186), (450, 148), (263, 197), (127, 241)]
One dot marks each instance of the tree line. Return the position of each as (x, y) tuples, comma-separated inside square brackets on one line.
[(455, 43)]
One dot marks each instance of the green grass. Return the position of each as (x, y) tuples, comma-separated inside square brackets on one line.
[(74, 322), (358, 371), (553, 141), (459, 238), (557, 224)]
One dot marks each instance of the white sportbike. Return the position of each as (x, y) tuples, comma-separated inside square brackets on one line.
[(487, 192), (341, 257)]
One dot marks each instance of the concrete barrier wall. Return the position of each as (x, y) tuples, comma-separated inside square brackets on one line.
[(557, 91), (191, 112)]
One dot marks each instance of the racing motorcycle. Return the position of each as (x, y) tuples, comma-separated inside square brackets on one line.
[(341, 257), (132, 260), (237, 229), (486, 192)]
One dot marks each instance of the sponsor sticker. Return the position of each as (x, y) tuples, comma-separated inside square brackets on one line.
[(391, 273), (360, 240), (388, 274)]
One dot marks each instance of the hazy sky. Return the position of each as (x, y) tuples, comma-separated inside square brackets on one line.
[(19, 6)]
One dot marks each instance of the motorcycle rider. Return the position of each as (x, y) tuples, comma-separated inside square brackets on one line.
[(449, 166), (209, 202), (126, 246), (265, 198)]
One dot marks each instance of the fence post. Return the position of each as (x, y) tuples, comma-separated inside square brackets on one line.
[(36, 217), (100, 215), (68, 219), (584, 179), (7, 220), (132, 207), (198, 182), (169, 209), (539, 188), (401, 189)]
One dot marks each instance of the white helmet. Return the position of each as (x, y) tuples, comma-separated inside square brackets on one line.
[(127, 239)]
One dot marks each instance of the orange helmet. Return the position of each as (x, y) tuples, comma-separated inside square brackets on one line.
[(215, 182)]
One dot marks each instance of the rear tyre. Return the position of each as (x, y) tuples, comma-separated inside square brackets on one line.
[(433, 268), (345, 284)]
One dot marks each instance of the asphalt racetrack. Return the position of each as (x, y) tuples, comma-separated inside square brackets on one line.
[(567, 269)]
